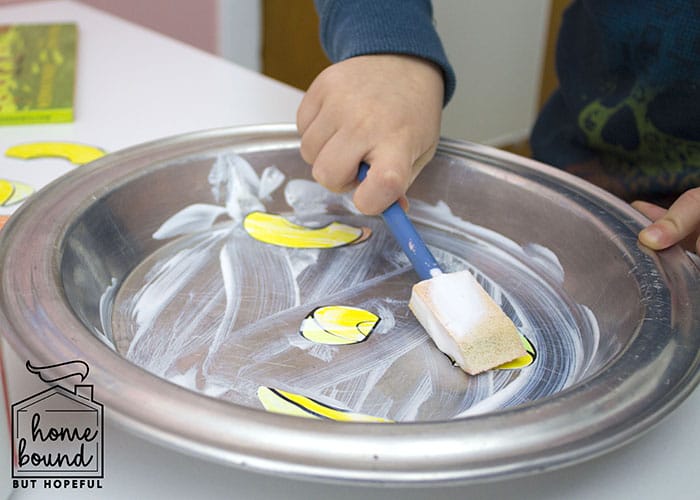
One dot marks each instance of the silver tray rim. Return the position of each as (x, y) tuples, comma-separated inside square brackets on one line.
[(604, 412)]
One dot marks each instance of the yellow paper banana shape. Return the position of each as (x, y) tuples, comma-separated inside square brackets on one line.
[(288, 403), (76, 153), (338, 325), (12, 192), (7, 189), (276, 230), (522, 361)]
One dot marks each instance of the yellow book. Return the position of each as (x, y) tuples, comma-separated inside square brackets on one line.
[(37, 73)]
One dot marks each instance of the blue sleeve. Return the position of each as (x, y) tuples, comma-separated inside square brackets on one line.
[(359, 27)]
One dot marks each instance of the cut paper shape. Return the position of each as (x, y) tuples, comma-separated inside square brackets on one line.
[(3, 220), (20, 191), (276, 230), (522, 361), (78, 154), (7, 189), (338, 325), (288, 403)]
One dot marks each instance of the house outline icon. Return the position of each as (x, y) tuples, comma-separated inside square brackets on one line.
[(57, 402)]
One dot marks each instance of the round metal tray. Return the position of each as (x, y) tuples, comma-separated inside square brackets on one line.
[(138, 265)]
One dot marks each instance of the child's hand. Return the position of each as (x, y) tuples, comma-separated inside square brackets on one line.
[(679, 224), (382, 109)]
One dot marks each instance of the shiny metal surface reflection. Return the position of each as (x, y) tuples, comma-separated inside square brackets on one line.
[(617, 327)]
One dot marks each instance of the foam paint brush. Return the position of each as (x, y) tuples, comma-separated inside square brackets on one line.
[(459, 315)]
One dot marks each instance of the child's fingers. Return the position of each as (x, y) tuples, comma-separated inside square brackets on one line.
[(681, 221), (386, 182), (384, 109), (403, 201), (336, 165), (651, 211), (314, 139), (309, 108)]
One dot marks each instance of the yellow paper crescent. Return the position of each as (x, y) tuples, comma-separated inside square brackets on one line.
[(338, 325), (7, 189), (522, 361), (76, 153), (288, 403), (276, 230), (20, 191)]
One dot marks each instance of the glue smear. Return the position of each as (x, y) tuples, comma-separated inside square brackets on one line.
[(218, 312)]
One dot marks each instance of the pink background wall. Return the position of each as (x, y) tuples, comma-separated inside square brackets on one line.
[(193, 22)]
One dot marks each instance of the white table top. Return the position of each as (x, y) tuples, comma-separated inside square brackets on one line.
[(134, 86)]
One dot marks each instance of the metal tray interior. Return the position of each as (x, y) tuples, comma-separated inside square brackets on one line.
[(182, 330)]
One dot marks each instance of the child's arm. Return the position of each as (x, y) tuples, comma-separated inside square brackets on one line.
[(382, 100), (382, 109)]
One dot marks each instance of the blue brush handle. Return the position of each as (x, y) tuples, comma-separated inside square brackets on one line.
[(406, 235)]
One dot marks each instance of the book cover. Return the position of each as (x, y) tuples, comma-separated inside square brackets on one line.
[(37, 73)]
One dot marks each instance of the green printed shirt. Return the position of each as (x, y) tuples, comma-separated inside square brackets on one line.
[(627, 113)]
